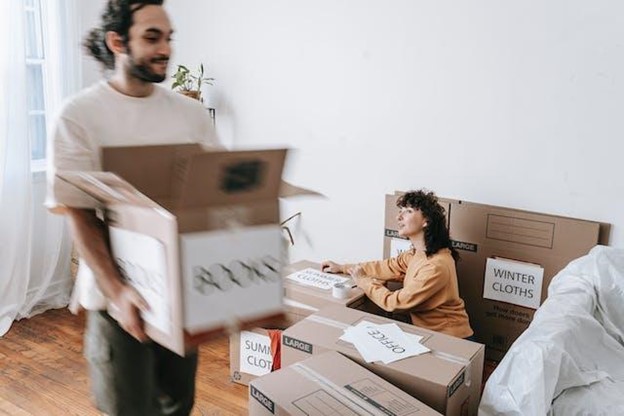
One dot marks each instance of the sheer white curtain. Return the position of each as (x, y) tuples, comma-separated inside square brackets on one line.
[(34, 245)]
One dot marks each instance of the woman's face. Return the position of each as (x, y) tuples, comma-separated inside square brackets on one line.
[(410, 222)]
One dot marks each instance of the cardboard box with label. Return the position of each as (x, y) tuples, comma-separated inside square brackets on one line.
[(508, 258), (197, 233), (249, 349), (251, 355), (330, 384), (302, 299), (448, 378)]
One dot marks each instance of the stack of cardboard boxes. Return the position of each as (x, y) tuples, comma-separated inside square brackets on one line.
[(250, 351), (447, 379)]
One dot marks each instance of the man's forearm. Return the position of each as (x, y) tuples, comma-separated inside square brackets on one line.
[(90, 238)]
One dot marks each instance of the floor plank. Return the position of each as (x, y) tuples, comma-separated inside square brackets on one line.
[(43, 372)]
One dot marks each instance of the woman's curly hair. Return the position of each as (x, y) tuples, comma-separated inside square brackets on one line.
[(436, 232), (116, 17)]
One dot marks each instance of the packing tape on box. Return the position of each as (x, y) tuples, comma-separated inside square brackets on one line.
[(328, 322), (459, 360), (355, 403), (295, 304), (438, 354)]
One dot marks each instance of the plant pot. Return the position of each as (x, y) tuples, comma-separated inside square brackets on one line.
[(193, 94)]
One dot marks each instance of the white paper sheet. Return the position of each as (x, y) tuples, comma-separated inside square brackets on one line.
[(316, 278), (142, 259), (386, 343), (514, 282), (255, 353), (398, 246), (231, 274)]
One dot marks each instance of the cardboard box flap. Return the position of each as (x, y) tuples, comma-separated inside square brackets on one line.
[(106, 187), (288, 190), (148, 168), (228, 177)]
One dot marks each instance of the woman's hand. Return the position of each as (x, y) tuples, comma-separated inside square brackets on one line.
[(329, 266), (360, 278)]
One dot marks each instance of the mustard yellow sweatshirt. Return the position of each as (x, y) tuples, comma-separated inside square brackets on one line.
[(430, 292)]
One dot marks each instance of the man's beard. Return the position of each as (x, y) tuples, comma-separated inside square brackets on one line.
[(141, 70)]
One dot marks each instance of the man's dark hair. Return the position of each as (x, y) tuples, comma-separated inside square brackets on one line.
[(116, 17), (436, 232)]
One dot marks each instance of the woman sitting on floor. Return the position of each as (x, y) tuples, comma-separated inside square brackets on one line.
[(430, 291)]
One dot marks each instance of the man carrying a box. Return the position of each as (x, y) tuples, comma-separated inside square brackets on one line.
[(130, 375)]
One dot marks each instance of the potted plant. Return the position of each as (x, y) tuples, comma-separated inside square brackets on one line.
[(189, 83)]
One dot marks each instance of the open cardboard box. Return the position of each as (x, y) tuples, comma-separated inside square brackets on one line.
[(196, 232)]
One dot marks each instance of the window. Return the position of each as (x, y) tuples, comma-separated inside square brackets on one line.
[(35, 79)]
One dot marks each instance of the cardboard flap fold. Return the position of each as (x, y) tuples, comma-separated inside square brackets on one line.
[(180, 176), (228, 178), (288, 190), (105, 187)]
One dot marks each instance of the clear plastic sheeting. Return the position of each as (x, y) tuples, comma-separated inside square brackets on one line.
[(570, 361)]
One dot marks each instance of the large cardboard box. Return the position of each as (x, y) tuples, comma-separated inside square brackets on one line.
[(197, 233), (301, 300), (508, 258), (448, 378), (249, 350), (484, 234), (330, 384)]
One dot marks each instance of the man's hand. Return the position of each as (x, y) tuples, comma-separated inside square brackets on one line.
[(126, 308), (329, 266), (90, 237)]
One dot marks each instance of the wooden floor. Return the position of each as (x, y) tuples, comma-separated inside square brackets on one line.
[(42, 371)]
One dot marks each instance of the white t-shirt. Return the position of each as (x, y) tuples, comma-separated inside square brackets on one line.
[(100, 116)]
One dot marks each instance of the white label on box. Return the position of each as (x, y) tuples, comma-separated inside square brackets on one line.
[(398, 246), (513, 282), (316, 278), (230, 275), (387, 342), (255, 353), (141, 260)]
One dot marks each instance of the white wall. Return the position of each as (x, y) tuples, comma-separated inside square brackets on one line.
[(89, 12), (500, 102)]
